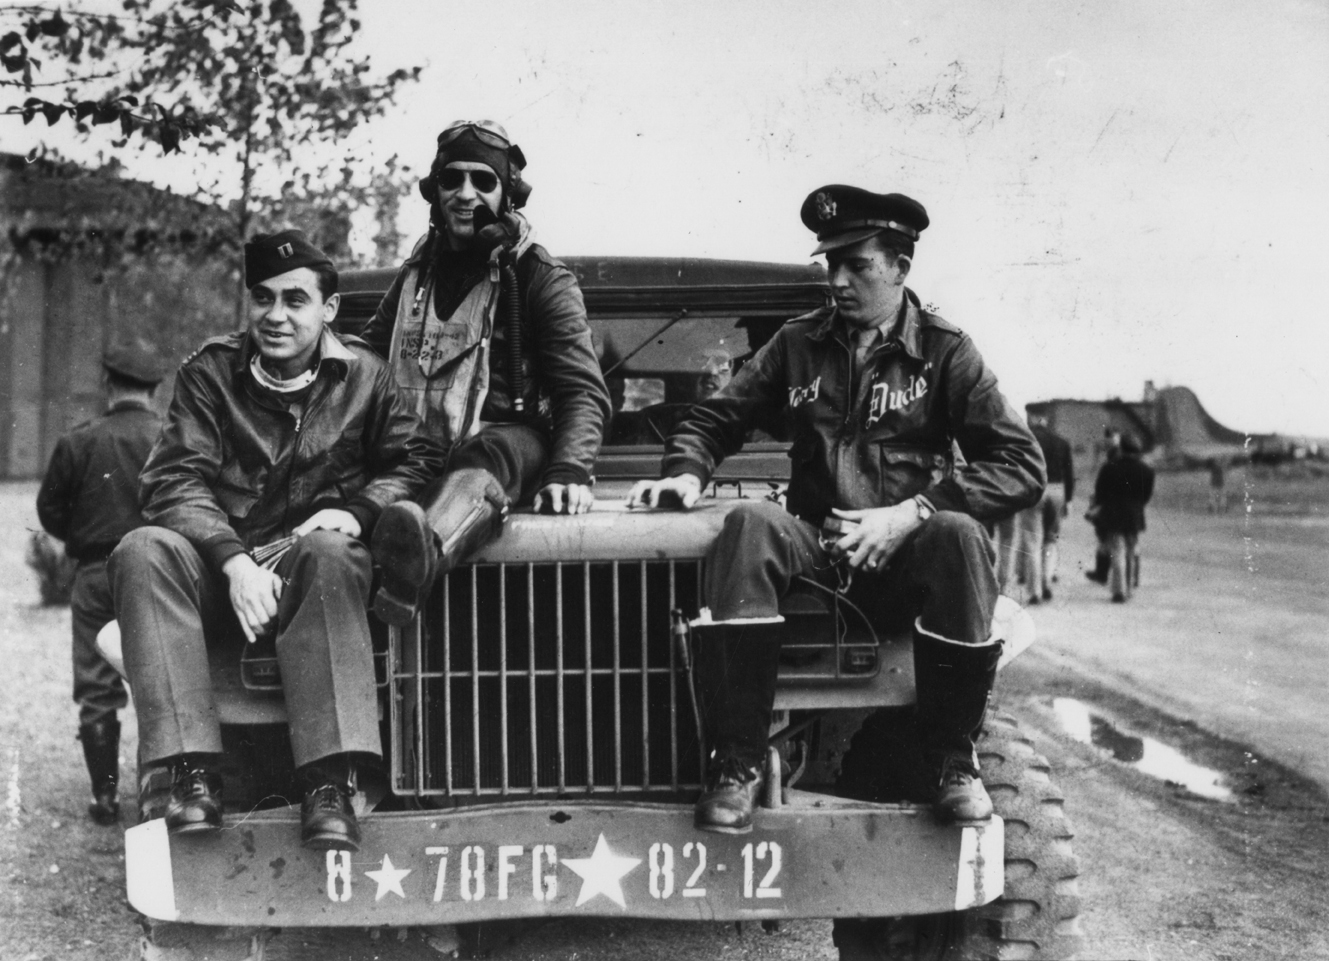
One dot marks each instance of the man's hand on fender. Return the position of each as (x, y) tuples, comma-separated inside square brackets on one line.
[(254, 593), (330, 519), (681, 491), (878, 535), (564, 499)]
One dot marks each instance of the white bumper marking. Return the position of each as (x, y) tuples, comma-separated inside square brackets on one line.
[(982, 870), (148, 878)]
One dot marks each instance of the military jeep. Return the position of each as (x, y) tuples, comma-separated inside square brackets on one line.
[(542, 745)]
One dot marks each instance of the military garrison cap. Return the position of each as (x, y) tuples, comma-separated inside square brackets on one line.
[(841, 215), (270, 255), (135, 362)]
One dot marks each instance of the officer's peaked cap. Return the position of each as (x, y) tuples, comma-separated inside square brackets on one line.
[(270, 255), (841, 216), (134, 361)]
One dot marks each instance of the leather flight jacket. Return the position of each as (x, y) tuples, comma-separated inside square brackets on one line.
[(564, 392), (235, 468), (881, 437)]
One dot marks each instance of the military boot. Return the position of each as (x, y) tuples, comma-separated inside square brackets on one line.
[(195, 803), (101, 753), (413, 546), (327, 818), (954, 683), (736, 668)]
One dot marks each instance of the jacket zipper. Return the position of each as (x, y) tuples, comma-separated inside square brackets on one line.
[(300, 420)]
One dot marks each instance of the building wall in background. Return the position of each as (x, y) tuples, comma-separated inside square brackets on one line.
[(86, 261)]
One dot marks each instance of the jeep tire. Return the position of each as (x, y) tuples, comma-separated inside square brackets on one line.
[(1038, 915)]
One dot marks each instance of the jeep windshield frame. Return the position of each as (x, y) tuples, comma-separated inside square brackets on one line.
[(656, 322)]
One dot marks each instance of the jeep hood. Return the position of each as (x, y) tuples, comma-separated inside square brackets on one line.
[(609, 532)]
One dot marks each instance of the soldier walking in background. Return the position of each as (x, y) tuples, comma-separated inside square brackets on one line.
[(1111, 450), (1043, 521), (1124, 487), (89, 500)]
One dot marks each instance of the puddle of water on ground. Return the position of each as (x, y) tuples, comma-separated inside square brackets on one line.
[(1145, 754)]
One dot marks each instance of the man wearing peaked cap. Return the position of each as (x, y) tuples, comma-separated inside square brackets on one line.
[(89, 500), (876, 390), (283, 444), (841, 216)]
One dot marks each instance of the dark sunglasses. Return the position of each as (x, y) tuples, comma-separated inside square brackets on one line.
[(450, 178)]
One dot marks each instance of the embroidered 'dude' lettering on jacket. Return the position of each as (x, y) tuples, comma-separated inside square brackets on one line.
[(884, 399)]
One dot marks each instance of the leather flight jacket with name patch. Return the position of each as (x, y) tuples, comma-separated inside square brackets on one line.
[(879, 436)]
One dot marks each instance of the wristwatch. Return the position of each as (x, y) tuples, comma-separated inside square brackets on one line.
[(925, 510)]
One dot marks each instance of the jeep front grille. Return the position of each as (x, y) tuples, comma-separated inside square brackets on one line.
[(546, 679)]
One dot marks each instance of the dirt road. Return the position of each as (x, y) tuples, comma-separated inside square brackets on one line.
[(1167, 875)]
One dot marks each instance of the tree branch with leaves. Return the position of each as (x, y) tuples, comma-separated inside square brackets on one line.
[(261, 94)]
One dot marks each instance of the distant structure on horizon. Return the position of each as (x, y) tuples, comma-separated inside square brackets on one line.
[(1173, 428)]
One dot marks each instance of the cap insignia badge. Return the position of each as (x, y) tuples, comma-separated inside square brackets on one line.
[(825, 206), (285, 251)]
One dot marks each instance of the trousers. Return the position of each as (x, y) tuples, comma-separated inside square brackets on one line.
[(942, 574), (98, 689), (1041, 534), (172, 608), (1121, 548), (515, 454)]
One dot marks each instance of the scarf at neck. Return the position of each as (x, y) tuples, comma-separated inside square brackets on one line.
[(276, 384)]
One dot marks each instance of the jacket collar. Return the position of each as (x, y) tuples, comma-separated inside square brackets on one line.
[(329, 349), (905, 330)]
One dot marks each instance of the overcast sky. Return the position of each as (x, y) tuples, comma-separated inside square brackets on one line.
[(1120, 190)]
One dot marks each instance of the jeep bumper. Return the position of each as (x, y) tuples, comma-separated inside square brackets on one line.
[(814, 857)]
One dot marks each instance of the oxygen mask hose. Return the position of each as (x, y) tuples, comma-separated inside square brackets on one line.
[(512, 318)]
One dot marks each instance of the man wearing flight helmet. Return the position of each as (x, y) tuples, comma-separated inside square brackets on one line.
[(487, 335)]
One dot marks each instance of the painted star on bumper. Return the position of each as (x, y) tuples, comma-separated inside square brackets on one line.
[(389, 879), (601, 873)]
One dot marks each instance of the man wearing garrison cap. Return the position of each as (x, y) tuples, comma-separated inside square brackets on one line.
[(89, 499), (282, 446), (876, 389)]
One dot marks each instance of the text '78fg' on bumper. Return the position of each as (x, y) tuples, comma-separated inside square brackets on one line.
[(814, 857)]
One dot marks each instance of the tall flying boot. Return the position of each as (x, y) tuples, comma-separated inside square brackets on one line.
[(736, 668), (101, 752), (414, 545), (954, 682)]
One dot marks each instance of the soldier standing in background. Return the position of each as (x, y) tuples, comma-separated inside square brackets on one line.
[(89, 500), (1044, 518), (1111, 450), (1123, 488)]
